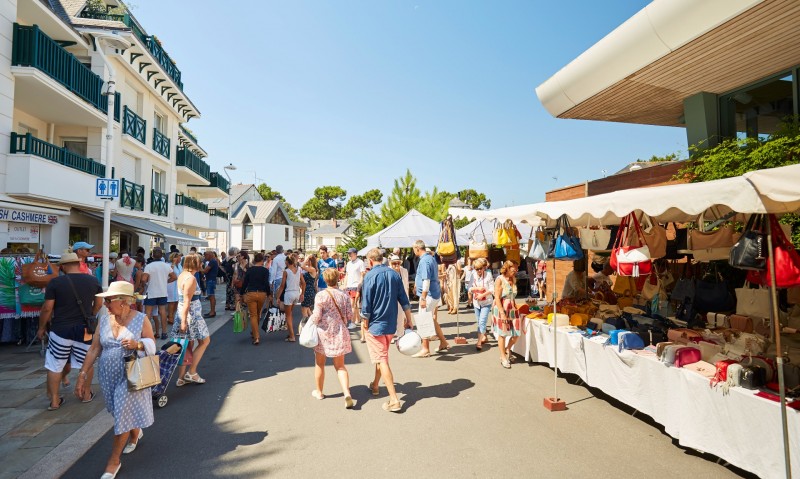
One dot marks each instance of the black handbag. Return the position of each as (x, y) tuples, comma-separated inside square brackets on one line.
[(753, 377), (713, 296), (748, 252), (677, 244), (496, 254)]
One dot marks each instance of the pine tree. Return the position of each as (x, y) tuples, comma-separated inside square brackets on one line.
[(405, 196)]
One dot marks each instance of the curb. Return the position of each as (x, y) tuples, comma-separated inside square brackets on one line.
[(60, 459)]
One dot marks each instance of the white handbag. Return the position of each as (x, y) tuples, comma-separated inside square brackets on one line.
[(142, 372), (309, 336), (753, 302), (595, 239)]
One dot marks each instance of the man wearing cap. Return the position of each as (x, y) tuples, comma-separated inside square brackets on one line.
[(156, 275), (383, 297), (276, 270), (324, 262), (82, 249), (354, 274), (69, 300)]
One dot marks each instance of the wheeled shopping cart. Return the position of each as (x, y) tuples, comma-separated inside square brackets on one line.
[(168, 362)]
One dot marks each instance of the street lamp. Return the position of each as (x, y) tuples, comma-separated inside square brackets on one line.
[(112, 40), (230, 167)]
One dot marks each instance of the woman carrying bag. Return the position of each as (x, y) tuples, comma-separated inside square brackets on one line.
[(123, 331)]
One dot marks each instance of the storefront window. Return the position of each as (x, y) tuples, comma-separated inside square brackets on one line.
[(78, 233), (757, 111)]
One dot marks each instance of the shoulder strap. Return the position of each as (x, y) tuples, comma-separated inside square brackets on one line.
[(333, 298), (77, 298)]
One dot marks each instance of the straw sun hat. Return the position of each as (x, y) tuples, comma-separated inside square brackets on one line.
[(120, 288)]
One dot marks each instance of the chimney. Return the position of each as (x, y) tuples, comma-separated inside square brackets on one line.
[(333, 222)]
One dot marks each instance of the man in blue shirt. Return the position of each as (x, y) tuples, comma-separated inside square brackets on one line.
[(323, 263), (381, 291), (430, 293)]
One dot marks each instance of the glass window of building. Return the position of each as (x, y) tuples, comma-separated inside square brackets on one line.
[(76, 145), (757, 111)]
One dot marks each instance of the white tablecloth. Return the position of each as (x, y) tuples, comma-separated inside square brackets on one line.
[(740, 428)]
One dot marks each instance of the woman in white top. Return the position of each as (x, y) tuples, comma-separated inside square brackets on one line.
[(480, 289), (290, 291), (125, 267)]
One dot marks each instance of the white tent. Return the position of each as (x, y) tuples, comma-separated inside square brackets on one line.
[(404, 232), (483, 230)]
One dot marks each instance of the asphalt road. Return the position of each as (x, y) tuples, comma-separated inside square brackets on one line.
[(464, 415)]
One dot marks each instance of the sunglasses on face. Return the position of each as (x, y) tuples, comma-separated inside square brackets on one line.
[(111, 300)]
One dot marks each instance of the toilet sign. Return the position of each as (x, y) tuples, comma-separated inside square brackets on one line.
[(107, 188)]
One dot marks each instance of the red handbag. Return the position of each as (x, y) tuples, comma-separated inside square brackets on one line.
[(787, 261), (686, 356), (630, 259)]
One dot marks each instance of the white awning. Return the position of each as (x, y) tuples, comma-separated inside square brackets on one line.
[(142, 225)]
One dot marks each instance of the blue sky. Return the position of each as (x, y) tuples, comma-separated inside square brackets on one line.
[(301, 94)]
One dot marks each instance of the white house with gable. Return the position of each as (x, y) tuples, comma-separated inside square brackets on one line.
[(262, 225)]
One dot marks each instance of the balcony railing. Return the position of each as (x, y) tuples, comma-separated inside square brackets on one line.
[(220, 182), (182, 200), (30, 145), (132, 195), (218, 213), (116, 17), (161, 143), (156, 50), (32, 48), (159, 203), (189, 135), (188, 159), (134, 125)]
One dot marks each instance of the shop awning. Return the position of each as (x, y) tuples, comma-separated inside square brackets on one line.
[(142, 225)]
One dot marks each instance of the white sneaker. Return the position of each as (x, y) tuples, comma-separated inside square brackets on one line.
[(352, 326)]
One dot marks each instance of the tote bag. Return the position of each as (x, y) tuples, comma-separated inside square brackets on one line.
[(567, 246), (142, 372), (309, 335), (39, 272), (750, 252), (655, 237), (753, 302), (630, 257), (594, 239)]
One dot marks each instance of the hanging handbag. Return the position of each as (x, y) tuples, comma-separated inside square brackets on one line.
[(676, 246), (567, 246), (712, 245), (31, 295), (39, 272), (630, 257), (142, 372), (447, 246), (787, 260), (752, 302), (651, 288), (750, 251), (713, 295), (309, 336), (655, 237), (540, 246), (478, 249), (594, 239), (502, 236)]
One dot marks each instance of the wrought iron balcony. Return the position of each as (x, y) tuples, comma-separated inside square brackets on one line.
[(218, 213), (161, 143), (30, 145), (189, 160), (155, 49), (182, 200), (159, 203), (32, 48), (132, 195), (134, 125)]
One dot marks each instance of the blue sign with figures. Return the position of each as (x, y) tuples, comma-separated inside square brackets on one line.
[(107, 188)]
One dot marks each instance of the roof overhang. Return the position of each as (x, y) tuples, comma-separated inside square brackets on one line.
[(642, 71)]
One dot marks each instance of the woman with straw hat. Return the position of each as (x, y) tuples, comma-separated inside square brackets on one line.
[(122, 331)]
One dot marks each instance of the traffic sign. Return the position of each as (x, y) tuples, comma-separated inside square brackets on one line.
[(107, 188)]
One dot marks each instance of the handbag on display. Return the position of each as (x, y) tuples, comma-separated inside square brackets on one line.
[(651, 288), (752, 302), (713, 296), (142, 372), (741, 323), (31, 295), (787, 260), (496, 255), (504, 235), (39, 272), (478, 249), (446, 247), (567, 245), (712, 245), (655, 237), (750, 251), (594, 239), (539, 246), (630, 257), (677, 247)]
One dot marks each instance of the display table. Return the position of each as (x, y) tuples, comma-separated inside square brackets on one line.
[(741, 428)]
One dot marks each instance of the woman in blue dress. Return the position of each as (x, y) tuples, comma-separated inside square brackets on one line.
[(121, 332), (189, 322)]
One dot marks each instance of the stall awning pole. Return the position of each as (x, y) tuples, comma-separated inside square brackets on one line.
[(777, 328)]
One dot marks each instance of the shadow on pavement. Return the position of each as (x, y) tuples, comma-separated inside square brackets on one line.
[(414, 391)]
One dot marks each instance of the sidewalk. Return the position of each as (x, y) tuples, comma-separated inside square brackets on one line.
[(32, 439)]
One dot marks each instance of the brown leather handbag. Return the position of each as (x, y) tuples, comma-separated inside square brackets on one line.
[(38, 273)]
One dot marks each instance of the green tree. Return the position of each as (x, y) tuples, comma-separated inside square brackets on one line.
[(435, 204), (268, 194), (326, 203), (737, 156), (474, 199), (404, 196), (359, 205)]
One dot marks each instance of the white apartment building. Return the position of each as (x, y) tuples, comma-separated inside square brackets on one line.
[(53, 134)]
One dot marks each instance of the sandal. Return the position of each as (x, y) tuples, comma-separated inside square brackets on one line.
[(180, 382), (91, 398), (317, 395), (505, 363), (374, 390), (194, 378), (289, 340), (60, 403), (392, 406)]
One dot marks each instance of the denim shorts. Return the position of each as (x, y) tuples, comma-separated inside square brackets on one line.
[(162, 301)]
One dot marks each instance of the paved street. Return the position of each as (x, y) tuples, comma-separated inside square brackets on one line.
[(464, 415)]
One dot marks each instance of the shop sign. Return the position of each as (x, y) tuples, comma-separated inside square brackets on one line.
[(20, 233), (20, 216)]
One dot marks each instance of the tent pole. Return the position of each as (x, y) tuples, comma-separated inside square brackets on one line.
[(555, 403), (773, 289)]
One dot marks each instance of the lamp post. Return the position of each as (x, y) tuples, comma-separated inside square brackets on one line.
[(230, 167), (112, 40)]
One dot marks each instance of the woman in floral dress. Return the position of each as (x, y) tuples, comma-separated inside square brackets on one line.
[(505, 318), (122, 331), (332, 313), (189, 321)]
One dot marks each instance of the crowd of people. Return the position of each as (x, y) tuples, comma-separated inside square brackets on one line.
[(160, 298)]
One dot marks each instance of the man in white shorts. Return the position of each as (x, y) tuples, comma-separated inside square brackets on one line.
[(69, 299)]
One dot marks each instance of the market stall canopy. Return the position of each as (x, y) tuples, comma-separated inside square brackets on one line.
[(141, 225), (404, 232), (765, 191), (483, 230)]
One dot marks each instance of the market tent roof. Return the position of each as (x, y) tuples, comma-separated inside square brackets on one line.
[(404, 232), (149, 227), (483, 230), (764, 191)]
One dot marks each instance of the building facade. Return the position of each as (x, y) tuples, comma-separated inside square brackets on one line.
[(262, 225), (53, 133), (239, 193), (331, 233)]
